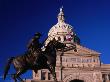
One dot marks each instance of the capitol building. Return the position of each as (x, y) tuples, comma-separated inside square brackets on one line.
[(81, 66)]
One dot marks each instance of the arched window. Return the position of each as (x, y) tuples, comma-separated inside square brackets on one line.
[(59, 39)]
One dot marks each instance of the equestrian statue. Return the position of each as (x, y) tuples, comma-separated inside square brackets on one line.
[(35, 59)]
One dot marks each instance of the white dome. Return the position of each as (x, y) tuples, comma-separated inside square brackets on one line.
[(61, 31)]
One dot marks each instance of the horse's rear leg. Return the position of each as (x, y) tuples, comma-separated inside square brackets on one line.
[(14, 78), (35, 70), (19, 72), (21, 80)]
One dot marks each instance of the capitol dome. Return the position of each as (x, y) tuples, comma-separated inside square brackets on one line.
[(62, 31)]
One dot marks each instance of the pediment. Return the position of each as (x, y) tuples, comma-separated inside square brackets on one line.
[(81, 50)]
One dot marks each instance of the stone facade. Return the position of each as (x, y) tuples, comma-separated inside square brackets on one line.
[(81, 66)]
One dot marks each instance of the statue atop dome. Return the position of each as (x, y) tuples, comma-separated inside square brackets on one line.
[(61, 16)]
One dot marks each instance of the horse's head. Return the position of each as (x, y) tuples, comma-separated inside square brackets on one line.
[(56, 44)]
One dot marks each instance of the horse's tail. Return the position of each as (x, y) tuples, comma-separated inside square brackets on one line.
[(7, 67)]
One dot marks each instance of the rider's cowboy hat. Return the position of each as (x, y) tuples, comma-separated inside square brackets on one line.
[(37, 34)]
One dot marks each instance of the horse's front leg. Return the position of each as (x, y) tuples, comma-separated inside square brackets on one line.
[(54, 74), (52, 71)]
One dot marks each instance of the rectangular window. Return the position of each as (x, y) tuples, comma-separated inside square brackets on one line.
[(43, 77)]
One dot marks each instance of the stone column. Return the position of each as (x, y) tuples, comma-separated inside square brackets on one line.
[(40, 74), (62, 38), (60, 74), (56, 38), (46, 76), (107, 78)]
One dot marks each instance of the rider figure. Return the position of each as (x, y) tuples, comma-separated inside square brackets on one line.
[(34, 44)]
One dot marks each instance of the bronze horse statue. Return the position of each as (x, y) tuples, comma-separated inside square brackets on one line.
[(35, 61)]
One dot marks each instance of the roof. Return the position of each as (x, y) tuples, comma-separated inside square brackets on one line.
[(81, 50)]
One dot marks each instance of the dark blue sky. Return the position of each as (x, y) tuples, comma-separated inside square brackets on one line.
[(20, 19)]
